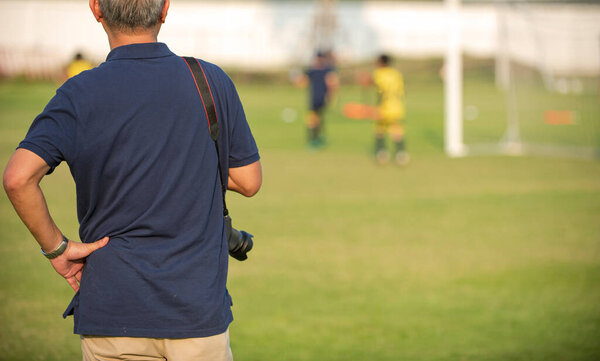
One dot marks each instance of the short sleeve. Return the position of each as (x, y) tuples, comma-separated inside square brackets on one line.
[(242, 146), (52, 133)]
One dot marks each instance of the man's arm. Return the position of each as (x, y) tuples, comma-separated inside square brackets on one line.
[(21, 180), (245, 180)]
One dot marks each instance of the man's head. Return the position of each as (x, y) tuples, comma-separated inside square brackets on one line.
[(130, 16)]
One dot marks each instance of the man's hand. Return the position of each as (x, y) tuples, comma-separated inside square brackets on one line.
[(70, 263)]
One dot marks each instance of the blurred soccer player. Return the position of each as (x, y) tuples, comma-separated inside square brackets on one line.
[(78, 65), (323, 83), (391, 111)]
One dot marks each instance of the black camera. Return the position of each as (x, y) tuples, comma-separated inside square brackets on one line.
[(240, 242)]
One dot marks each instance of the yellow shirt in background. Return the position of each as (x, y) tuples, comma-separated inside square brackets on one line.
[(77, 66), (390, 85)]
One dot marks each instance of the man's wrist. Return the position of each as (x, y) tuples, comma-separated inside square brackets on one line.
[(59, 250)]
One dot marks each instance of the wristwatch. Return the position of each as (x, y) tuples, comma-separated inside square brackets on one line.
[(59, 250)]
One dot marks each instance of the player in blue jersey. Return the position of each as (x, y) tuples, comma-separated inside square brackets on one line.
[(323, 82)]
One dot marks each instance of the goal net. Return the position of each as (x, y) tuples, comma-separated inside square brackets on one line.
[(540, 93)]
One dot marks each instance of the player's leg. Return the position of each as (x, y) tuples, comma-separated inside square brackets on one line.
[(312, 124), (381, 153), (397, 134), (320, 128)]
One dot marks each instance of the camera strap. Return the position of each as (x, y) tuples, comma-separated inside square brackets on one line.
[(211, 113)]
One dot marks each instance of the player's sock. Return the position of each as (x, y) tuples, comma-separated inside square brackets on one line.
[(381, 154), (379, 144), (400, 146), (321, 135), (313, 137), (318, 134), (401, 156), (310, 134)]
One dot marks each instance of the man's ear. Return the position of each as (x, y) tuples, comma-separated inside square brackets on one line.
[(163, 14), (95, 7)]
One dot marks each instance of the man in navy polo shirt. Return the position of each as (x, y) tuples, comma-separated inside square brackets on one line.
[(134, 134)]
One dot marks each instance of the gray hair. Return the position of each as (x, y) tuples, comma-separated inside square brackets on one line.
[(131, 14)]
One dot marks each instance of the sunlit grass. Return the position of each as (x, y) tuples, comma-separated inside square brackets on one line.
[(482, 258)]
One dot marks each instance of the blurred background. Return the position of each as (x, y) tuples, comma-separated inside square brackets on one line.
[(486, 246)]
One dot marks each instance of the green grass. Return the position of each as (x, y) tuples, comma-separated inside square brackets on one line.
[(481, 258)]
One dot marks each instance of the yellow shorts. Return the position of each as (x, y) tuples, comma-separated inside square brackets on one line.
[(391, 110), (391, 114)]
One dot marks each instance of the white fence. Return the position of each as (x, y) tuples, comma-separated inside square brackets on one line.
[(38, 36)]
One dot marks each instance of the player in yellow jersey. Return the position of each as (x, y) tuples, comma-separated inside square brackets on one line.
[(77, 65), (391, 111)]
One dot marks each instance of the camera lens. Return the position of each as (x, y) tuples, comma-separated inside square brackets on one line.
[(239, 242)]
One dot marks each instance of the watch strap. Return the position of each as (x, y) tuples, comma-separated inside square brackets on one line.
[(59, 250)]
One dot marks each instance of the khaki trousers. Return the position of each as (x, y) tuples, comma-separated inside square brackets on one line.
[(101, 348)]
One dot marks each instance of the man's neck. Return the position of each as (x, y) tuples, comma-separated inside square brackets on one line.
[(116, 39)]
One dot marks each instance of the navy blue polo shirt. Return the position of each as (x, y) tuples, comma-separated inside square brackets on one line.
[(135, 136), (318, 85)]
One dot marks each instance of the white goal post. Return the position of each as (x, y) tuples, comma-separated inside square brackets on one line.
[(543, 77), (453, 131)]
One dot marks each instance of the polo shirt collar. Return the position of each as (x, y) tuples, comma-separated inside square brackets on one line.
[(139, 51)]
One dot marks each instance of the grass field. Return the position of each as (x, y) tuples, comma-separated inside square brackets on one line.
[(481, 258)]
